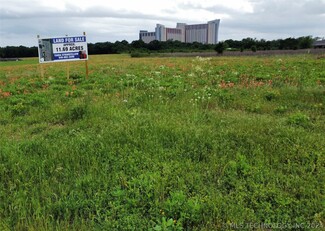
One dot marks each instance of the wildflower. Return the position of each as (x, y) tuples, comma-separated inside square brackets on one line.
[(231, 84), (223, 84), (198, 69), (162, 212), (6, 94)]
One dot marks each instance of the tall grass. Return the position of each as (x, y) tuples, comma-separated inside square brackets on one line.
[(163, 144)]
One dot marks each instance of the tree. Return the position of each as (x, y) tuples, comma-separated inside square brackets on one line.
[(220, 47), (121, 47), (154, 45), (247, 43), (289, 44), (138, 44), (305, 42)]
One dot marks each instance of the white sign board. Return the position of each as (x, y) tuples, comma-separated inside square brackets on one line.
[(62, 49)]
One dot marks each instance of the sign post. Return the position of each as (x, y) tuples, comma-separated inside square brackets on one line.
[(86, 61), (40, 66), (68, 71)]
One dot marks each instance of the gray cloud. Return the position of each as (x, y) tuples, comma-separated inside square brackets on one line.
[(269, 19), (280, 19), (217, 8), (72, 12)]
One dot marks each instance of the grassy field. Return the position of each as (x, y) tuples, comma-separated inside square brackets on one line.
[(223, 143)]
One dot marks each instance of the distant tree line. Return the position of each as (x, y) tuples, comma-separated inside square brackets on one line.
[(140, 46), (262, 44), (16, 52), (172, 46)]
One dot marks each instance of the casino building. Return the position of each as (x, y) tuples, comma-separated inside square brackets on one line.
[(202, 33)]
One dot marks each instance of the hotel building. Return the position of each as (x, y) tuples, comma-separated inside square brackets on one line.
[(202, 33)]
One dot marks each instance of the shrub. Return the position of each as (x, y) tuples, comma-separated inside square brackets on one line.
[(281, 110), (139, 55), (225, 98), (220, 47), (77, 112), (19, 110), (299, 119), (271, 95)]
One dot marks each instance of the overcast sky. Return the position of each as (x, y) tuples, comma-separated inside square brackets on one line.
[(111, 20)]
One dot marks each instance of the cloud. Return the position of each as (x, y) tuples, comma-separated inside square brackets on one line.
[(21, 21), (279, 19)]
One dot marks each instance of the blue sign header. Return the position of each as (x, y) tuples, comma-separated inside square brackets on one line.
[(69, 39)]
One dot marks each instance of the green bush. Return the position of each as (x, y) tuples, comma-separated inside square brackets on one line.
[(271, 95), (299, 119), (139, 55), (19, 109), (77, 112)]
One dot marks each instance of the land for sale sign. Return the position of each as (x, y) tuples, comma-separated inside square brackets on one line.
[(62, 49)]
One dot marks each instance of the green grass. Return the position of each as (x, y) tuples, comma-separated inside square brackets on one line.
[(24, 61), (163, 144)]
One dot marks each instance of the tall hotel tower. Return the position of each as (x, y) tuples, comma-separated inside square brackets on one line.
[(202, 33)]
